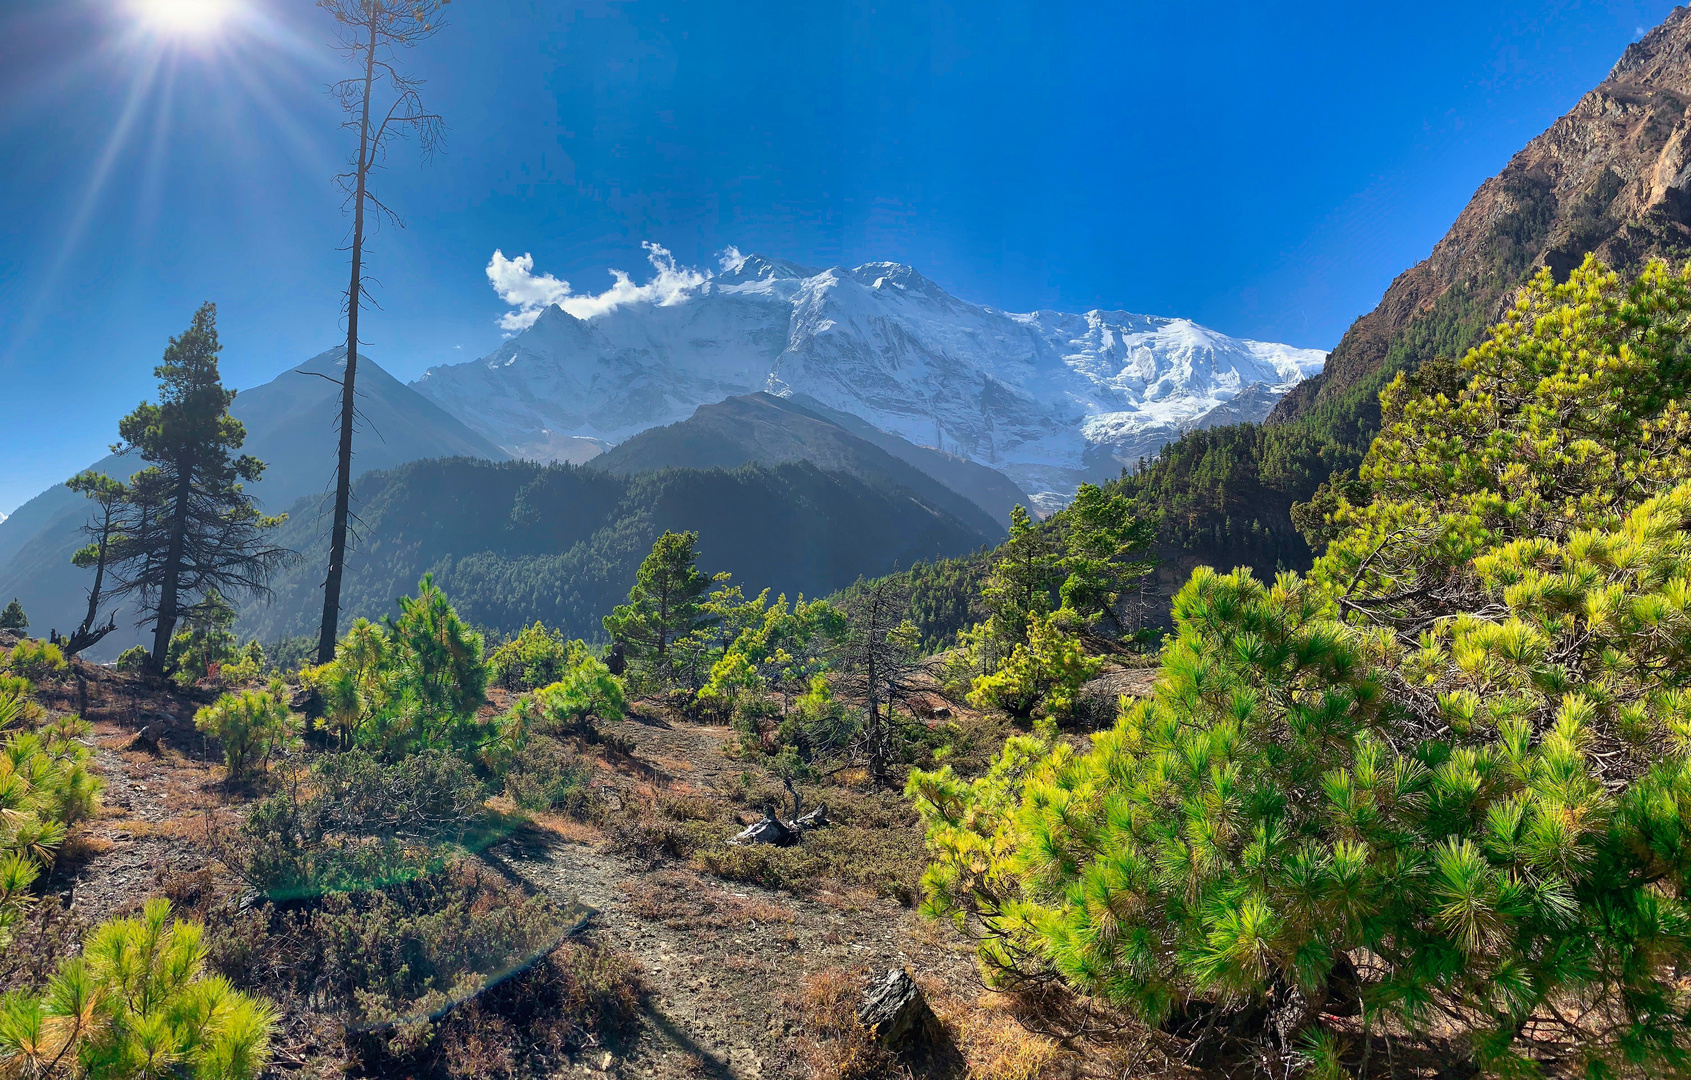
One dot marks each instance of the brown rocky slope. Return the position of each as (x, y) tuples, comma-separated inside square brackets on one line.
[(1612, 176)]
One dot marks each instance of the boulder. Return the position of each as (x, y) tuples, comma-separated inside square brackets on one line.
[(896, 1011), (815, 819)]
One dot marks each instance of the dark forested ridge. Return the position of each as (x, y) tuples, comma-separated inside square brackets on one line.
[(513, 542), (285, 420), (768, 430)]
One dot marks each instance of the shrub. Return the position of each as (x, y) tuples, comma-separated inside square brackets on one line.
[(412, 685), (546, 775), (250, 725), (16, 707), (363, 822), (401, 964), (587, 690), (134, 660), (37, 660), (136, 1003), (1041, 675), (242, 667), (46, 787), (535, 657)]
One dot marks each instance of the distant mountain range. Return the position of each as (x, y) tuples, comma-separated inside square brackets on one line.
[(290, 424), (814, 500), (1047, 398)]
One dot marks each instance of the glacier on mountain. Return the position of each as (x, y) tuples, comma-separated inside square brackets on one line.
[(1047, 397)]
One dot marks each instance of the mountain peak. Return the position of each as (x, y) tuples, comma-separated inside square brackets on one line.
[(738, 269), (892, 275), (1050, 399)]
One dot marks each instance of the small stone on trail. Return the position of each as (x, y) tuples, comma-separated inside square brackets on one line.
[(897, 1012), (147, 739)]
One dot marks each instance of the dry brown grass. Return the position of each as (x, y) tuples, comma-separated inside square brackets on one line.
[(834, 1044), (681, 901), (983, 1040), (993, 1045)]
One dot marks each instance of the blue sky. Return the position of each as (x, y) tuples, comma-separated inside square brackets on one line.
[(1265, 169)]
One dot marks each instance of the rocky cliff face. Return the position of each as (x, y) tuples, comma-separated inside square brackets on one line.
[(1613, 177), (1049, 398)]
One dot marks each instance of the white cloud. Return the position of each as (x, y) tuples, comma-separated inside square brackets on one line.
[(731, 259), (517, 284)]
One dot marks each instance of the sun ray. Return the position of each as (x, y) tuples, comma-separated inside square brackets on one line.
[(140, 91)]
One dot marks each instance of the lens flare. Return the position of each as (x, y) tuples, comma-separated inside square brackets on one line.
[(183, 18)]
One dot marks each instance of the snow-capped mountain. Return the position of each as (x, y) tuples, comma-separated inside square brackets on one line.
[(1047, 397)]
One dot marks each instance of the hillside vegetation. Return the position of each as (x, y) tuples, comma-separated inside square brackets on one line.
[(516, 542)]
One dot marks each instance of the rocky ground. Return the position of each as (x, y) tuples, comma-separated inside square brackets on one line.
[(728, 964)]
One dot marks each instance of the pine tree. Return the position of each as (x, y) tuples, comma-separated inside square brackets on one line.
[(1106, 552), (666, 603), (191, 527), (439, 676), (13, 617), (1460, 747), (136, 1002), (1027, 569)]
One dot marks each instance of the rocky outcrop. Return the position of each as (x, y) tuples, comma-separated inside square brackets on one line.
[(1612, 176)]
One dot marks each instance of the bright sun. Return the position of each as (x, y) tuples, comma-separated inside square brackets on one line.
[(182, 18)]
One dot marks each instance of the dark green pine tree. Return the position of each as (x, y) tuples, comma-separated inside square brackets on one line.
[(1027, 568), (191, 528), (1107, 538), (666, 602), (13, 617)]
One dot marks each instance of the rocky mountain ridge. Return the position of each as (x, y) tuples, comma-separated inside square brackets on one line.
[(1611, 177)]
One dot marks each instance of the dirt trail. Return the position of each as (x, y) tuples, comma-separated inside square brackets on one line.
[(723, 958)]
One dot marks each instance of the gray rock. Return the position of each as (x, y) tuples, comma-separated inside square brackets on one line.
[(770, 830), (895, 1009)]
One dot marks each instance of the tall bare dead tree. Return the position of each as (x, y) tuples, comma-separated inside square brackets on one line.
[(371, 35)]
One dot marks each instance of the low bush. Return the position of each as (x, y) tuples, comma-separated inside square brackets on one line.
[(46, 787), (456, 968), (251, 725), (362, 822), (536, 657), (37, 660), (547, 775), (133, 660), (579, 995)]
